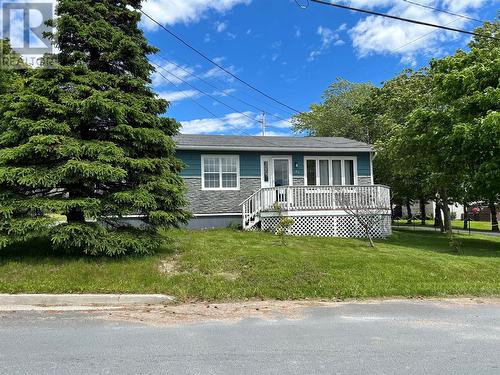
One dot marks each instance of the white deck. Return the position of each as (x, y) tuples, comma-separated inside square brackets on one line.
[(315, 201)]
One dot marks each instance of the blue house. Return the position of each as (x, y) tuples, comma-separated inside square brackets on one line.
[(322, 183)]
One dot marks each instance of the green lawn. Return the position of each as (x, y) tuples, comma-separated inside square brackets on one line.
[(230, 265), (457, 224)]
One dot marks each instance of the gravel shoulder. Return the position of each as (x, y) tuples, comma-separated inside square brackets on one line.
[(195, 313)]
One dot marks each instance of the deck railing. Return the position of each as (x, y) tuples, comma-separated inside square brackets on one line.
[(314, 198)]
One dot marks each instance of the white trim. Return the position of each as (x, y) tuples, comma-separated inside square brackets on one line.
[(271, 169), (203, 156), (279, 149), (330, 174), (372, 158), (315, 213)]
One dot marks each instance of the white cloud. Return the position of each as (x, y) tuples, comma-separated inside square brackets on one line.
[(224, 93), (219, 59), (215, 72), (327, 35), (207, 38), (227, 124), (276, 44), (170, 12), (298, 32), (220, 26), (342, 27), (281, 124), (183, 73), (328, 38), (272, 133), (176, 96), (377, 35)]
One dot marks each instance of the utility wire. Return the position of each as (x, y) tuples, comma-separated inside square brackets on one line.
[(230, 125), (209, 111), (234, 126), (206, 94), (404, 19), (216, 64), (218, 88), (421, 37), (189, 97), (443, 11), (303, 6), (222, 82)]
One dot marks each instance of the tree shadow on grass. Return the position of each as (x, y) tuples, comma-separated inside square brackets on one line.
[(41, 249), (439, 243)]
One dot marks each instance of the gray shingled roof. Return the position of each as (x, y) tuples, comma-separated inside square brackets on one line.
[(241, 143)]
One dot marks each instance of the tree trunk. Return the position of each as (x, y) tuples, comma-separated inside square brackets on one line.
[(75, 215), (438, 221), (447, 216), (408, 211), (494, 220), (466, 221), (367, 231), (423, 214)]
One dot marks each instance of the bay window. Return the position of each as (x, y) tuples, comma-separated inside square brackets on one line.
[(220, 172), (326, 170)]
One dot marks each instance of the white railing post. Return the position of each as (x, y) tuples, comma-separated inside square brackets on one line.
[(310, 198)]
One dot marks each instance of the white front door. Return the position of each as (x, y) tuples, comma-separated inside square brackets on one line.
[(276, 171)]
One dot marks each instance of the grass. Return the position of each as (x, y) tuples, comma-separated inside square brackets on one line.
[(456, 224), (228, 265)]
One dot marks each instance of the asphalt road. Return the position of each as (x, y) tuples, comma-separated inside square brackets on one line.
[(397, 337)]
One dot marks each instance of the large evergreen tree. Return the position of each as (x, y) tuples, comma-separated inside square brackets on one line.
[(87, 139)]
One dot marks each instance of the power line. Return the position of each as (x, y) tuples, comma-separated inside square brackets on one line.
[(216, 117), (421, 37), (209, 111), (222, 82), (189, 97), (218, 88), (216, 64), (443, 11), (303, 6), (234, 126), (205, 93), (404, 19)]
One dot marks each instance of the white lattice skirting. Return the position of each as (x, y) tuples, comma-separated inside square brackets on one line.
[(330, 226)]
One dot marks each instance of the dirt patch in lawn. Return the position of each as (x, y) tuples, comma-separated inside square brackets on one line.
[(169, 266)]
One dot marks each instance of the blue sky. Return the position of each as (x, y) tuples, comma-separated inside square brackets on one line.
[(291, 53)]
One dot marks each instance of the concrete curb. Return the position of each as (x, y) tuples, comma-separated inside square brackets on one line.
[(83, 299)]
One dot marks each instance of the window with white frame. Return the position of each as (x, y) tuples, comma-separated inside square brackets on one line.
[(330, 170), (220, 172)]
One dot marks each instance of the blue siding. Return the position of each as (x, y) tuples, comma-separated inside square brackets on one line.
[(192, 160), (364, 168), (250, 162)]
